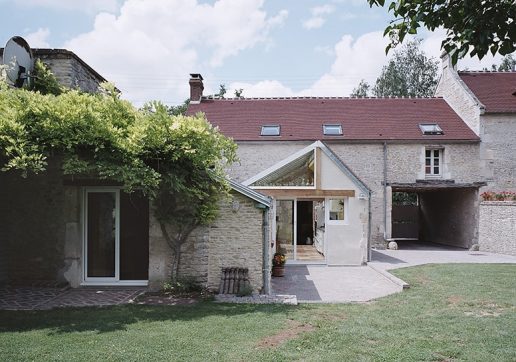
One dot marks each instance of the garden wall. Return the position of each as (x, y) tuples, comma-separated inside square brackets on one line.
[(497, 231)]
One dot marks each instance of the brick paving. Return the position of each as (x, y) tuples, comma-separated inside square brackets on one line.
[(26, 298), (36, 298)]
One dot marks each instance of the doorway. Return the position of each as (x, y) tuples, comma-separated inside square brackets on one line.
[(300, 230), (116, 237)]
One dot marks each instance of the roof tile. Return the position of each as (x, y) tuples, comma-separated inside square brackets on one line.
[(361, 118), (495, 90)]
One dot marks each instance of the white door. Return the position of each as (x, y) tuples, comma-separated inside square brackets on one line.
[(342, 245)]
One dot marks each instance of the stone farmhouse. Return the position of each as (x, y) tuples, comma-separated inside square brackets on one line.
[(333, 165), (83, 232), (486, 101), (316, 180)]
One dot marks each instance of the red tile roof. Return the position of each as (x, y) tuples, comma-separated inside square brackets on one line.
[(495, 90), (361, 118)]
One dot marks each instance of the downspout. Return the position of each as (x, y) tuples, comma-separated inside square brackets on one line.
[(385, 190), (266, 258), (369, 251)]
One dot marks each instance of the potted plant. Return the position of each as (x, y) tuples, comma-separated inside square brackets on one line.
[(278, 265)]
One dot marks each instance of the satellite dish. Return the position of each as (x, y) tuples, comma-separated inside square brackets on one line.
[(18, 60)]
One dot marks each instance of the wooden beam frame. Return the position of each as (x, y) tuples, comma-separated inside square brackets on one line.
[(318, 165), (306, 193)]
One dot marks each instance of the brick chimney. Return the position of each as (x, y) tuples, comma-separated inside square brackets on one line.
[(196, 87)]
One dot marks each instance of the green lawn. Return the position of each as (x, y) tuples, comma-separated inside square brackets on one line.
[(451, 312)]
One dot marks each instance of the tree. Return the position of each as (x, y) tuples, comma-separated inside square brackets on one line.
[(508, 64), (361, 90), (179, 110), (222, 91), (409, 73), (474, 26), (178, 162), (238, 92)]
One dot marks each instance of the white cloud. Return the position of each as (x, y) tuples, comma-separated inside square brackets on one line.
[(150, 47), (38, 39), (358, 59), (265, 88), (318, 16), (313, 23), (324, 49), (355, 59), (432, 46), (323, 10), (90, 6)]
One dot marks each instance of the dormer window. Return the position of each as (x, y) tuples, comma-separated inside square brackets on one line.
[(431, 129), (270, 130), (332, 130)]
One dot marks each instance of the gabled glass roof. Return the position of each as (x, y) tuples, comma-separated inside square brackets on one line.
[(299, 172)]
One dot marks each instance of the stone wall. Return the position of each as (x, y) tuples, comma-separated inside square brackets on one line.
[(497, 131), (497, 232), (235, 239), (69, 69), (405, 164), (70, 72), (194, 255), (458, 96), (33, 224), (498, 151)]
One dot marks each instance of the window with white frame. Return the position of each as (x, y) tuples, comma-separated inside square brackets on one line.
[(433, 162), (336, 209)]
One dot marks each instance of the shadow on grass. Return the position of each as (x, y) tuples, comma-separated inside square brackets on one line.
[(114, 318)]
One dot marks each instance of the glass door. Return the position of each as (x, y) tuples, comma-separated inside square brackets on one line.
[(102, 242), (300, 225), (285, 227)]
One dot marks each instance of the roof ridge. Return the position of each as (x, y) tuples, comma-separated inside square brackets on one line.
[(232, 99), (485, 71)]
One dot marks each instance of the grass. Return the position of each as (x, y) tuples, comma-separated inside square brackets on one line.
[(451, 312)]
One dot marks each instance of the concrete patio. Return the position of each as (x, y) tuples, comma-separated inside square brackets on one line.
[(327, 284), (309, 283), (339, 284)]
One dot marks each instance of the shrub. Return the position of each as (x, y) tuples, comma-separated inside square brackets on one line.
[(498, 196), (182, 285), (245, 291)]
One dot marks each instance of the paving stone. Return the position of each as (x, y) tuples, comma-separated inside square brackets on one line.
[(35, 298), (26, 298)]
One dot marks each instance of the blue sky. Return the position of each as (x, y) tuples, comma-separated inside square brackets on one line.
[(268, 48)]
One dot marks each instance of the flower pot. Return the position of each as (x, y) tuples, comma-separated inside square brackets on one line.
[(278, 271)]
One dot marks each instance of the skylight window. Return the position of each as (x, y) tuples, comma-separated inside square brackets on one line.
[(332, 129), (270, 130), (430, 129)]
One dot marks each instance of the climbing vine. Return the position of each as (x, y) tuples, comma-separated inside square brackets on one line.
[(177, 161)]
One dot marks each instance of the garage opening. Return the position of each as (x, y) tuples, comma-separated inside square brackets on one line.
[(432, 215)]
